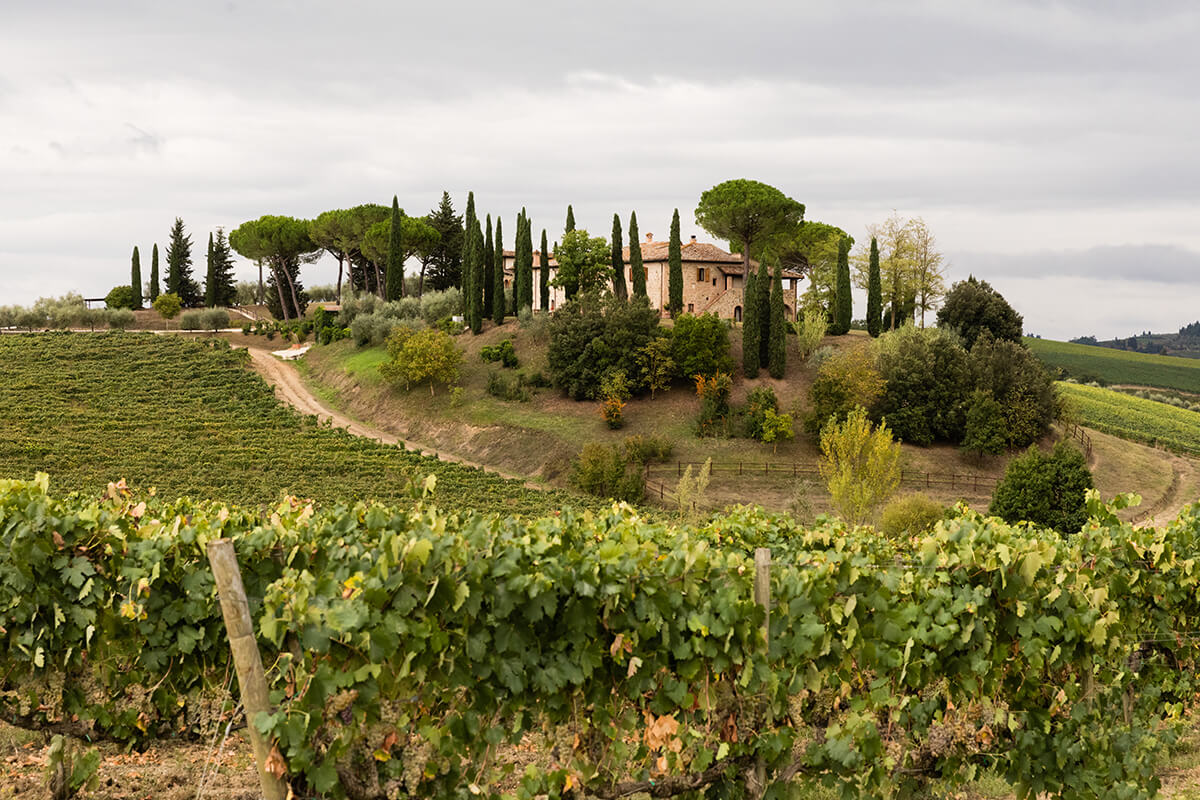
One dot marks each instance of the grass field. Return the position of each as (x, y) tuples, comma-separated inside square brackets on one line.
[(192, 420), (1086, 362), (1134, 418)]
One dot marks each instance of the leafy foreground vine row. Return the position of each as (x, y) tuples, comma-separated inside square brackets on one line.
[(409, 649), (190, 419)]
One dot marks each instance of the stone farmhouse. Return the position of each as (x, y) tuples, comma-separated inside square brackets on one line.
[(712, 279)]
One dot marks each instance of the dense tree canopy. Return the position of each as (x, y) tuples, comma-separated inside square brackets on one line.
[(750, 215), (973, 306), (814, 248), (927, 380), (282, 243)]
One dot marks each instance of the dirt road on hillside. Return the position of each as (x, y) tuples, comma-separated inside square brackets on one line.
[(289, 387)]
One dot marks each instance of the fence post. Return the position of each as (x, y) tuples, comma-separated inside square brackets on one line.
[(678, 469), (253, 682), (762, 596)]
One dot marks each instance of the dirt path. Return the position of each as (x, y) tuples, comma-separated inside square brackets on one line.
[(1182, 492), (290, 388)]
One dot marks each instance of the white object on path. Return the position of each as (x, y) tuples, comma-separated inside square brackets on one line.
[(292, 353)]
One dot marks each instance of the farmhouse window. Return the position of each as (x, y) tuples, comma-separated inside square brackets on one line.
[(714, 281), (699, 274), (691, 307)]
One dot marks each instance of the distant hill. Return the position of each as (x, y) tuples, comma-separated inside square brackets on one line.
[(1105, 365), (1185, 343)]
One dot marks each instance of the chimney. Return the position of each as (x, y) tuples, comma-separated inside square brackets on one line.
[(693, 239), (649, 238)]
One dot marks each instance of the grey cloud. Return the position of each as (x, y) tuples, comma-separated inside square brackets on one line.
[(1147, 262)]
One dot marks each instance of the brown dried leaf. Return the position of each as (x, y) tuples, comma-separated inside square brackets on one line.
[(275, 764)]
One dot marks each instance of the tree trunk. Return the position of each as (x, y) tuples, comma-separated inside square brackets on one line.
[(279, 287), (421, 279), (292, 289), (262, 292), (379, 288), (341, 257)]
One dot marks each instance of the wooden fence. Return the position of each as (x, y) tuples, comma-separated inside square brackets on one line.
[(1080, 435)]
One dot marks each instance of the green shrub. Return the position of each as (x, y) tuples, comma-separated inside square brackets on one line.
[(1013, 376), (192, 321), (602, 470), (1048, 490), (700, 346), (809, 330), (588, 338), (847, 380), (436, 306), (215, 319), (911, 515), (372, 330), (641, 449), (714, 404), (121, 319), (507, 386), (119, 297), (503, 352), (985, 433), (776, 428)]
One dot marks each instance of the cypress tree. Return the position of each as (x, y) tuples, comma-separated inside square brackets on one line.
[(762, 285), (135, 278), (675, 262), (874, 293), (210, 282), (498, 302), (489, 267), (618, 261), (477, 279), (777, 347), (750, 327), (468, 244), (635, 258), (526, 262), (394, 280), (179, 266), (570, 219), (544, 275), (843, 302), (154, 273)]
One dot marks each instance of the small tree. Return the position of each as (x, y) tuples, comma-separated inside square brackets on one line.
[(777, 346), (751, 330), (675, 269), (489, 268), (215, 319), (714, 404), (860, 464), (427, 355), (762, 285), (810, 330), (874, 292), (691, 491), (776, 427), (168, 305), (570, 220), (973, 306), (583, 263), (700, 345), (614, 391), (657, 368), (1048, 490)]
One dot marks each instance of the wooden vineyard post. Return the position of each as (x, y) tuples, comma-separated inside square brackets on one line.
[(251, 678), (762, 596)]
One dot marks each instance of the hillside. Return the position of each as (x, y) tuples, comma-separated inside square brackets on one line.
[(540, 436), (1091, 363)]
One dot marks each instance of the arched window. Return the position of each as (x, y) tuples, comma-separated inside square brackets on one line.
[(737, 313)]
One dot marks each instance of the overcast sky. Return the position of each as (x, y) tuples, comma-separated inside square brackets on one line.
[(1051, 147)]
